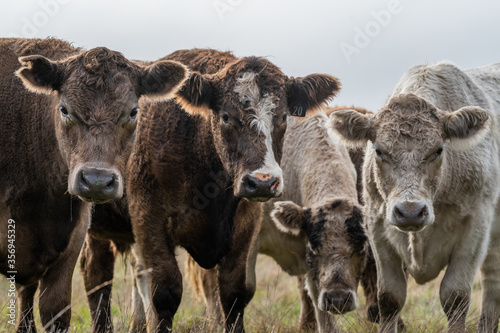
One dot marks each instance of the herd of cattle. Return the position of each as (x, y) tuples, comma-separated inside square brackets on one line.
[(202, 150)]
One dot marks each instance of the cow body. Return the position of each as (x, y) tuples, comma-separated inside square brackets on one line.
[(319, 173), (66, 128), (197, 174), (431, 179)]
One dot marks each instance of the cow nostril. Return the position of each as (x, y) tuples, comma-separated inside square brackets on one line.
[(83, 179), (398, 213), (422, 213), (251, 184), (111, 181)]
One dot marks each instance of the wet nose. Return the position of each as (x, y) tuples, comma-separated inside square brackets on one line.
[(98, 185), (339, 301), (411, 215), (260, 187)]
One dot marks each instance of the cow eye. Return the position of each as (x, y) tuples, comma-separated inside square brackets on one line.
[(64, 111), (225, 118), (133, 113), (378, 152), (439, 151)]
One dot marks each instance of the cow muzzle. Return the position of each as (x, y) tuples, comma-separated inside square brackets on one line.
[(97, 185), (260, 187), (338, 301), (411, 216)]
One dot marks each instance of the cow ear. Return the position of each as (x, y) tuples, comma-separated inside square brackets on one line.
[(195, 95), (288, 217), (159, 81), (466, 126), (351, 127), (39, 74), (311, 93)]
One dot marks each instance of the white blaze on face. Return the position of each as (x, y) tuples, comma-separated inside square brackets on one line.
[(248, 92)]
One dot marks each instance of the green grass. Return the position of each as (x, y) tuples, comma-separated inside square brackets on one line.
[(274, 308)]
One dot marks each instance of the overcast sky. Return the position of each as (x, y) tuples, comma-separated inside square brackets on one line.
[(367, 44)]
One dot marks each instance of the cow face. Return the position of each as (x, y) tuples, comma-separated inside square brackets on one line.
[(410, 141), (97, 96), (247, 104), (336, 245)]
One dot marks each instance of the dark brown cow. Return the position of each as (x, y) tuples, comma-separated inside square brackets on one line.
[(69, 135), (196, 177)]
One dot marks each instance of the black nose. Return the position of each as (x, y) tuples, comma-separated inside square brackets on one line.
[(411, 215), (339, 301), (260, 187), (97, 185)]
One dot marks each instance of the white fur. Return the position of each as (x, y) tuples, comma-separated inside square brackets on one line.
[(465, 202), (248, 91), (467, 143)]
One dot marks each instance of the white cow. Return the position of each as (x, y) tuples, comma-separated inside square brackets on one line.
[(431, 182)]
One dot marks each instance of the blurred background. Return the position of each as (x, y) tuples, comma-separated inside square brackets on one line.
[(367, 44)]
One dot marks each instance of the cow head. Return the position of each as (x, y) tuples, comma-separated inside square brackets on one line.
[(410, 140), (96, 96), (335, 252), (246, 104)]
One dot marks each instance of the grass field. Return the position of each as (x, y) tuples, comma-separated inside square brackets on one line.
[(274, 308)]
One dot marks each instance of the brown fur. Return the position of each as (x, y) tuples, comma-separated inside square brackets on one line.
[(41, 148), (186, 172)]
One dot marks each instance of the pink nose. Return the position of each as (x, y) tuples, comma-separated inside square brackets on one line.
[(260, 187)]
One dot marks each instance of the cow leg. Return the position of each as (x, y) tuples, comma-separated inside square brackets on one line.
[(325, 321), (209, 278), (204, 284), (26, 321), (55, 291), (391, 284), (158, 252), (455, 300), (252, 263), (97, 266), (141, 294), (490, 280), (234, 292), (55, 285), (369, 283), (166, 287), (307, 317), (456, 286)]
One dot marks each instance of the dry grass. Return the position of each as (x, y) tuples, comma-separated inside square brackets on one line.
[(275, 307)]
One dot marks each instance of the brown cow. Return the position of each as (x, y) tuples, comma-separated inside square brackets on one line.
[(68, 134), (196, 177), (431, 185)]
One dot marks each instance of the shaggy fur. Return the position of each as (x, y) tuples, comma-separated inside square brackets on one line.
[(74, 114), (321, 224), (187, 167), (435, 143)]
